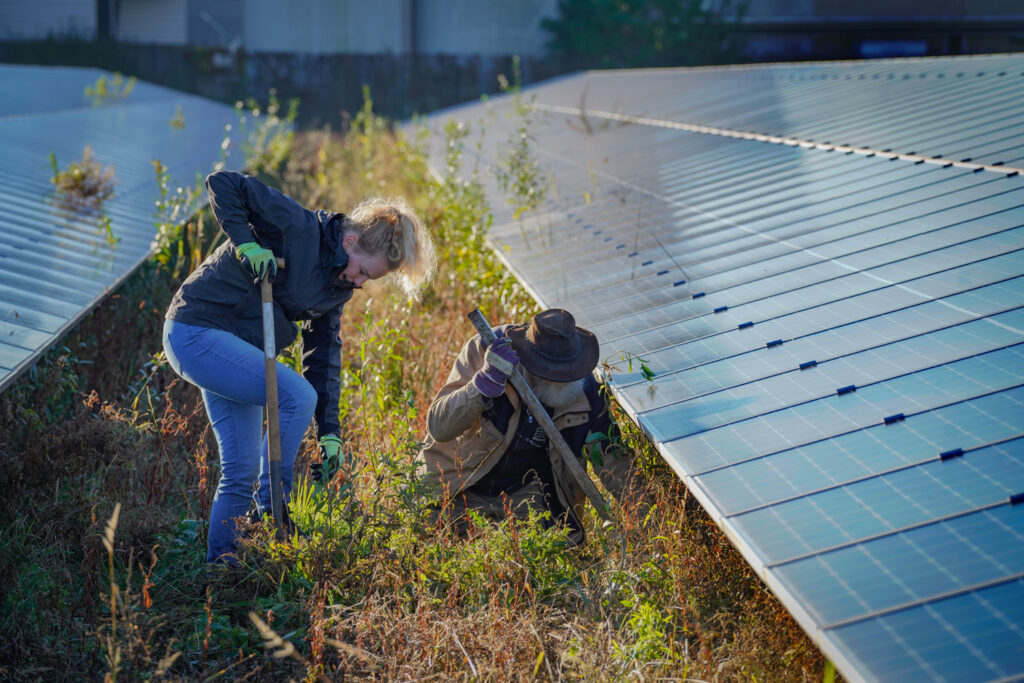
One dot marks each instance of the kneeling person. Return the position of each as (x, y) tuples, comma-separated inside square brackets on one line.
[(486, 452)]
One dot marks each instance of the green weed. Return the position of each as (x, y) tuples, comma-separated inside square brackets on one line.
[(84, 183), (267, 134), (518, 173), (182, 241), (111, 89)]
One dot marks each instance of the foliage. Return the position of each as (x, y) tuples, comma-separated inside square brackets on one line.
[(638, 33), (462, 221), (83, 187), (108, 90), (84, 183), (518, 173), (181, 242), (106, 228), (266, 136)]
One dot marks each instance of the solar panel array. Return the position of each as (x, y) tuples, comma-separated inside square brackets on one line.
[(57, 263), (823, 266)]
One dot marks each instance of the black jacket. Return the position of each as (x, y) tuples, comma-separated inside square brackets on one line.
[(223, 295)]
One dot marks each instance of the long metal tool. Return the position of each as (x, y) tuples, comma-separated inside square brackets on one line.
[(558, 443), (273, 420)]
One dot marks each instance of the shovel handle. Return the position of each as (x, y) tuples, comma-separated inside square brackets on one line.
[(273, 419), (558, 444)]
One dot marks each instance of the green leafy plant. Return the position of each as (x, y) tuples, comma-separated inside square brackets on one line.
[(106, 228), (181, 242), (647, 373), (267, 134), (109, 89), (462, 221), (646, 627), (519, 175), (84, 183), (609, 367)]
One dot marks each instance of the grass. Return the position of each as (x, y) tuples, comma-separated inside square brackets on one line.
[(108, 469)]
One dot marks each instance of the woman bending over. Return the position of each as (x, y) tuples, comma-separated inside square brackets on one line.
[(213, 333)]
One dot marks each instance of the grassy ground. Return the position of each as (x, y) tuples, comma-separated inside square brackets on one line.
[(108, 466)]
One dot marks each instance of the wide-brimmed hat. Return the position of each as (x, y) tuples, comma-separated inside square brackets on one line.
[(553, 348)]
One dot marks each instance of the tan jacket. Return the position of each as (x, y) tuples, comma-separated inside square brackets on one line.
[(461, 446)]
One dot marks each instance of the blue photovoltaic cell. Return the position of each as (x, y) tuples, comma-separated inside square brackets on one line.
[(793, 252), (692, 322), (822, 323), (966, 550), (675, 382), (701, 265), (867, 452), (969, 637), (908, 497), (832, 415), (863, 369), (856, 325), (809, 321)]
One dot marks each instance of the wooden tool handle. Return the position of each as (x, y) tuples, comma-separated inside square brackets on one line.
[(273, 420)]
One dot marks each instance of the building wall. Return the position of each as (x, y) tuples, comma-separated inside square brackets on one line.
[(161, 22), (34, 19), (484, 27), (216, 23), (456, 27), (325, 26)]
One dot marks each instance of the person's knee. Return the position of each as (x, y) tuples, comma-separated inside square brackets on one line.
[(307, 396), (237, 477), (299, 398)]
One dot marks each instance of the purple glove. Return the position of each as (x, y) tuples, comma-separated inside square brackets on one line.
[(499, 362)]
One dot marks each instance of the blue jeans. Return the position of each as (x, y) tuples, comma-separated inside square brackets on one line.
[(230, 374)]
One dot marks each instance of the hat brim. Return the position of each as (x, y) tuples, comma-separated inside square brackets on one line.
[(580, 367)]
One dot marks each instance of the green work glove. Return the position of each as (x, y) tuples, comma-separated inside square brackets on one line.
[(332, 458), (257, 259)]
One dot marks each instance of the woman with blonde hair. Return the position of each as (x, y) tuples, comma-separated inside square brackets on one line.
[(213, 332)]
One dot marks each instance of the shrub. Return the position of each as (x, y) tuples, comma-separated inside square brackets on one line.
[(84, 183)]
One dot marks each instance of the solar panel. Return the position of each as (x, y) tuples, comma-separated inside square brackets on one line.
[(56, 264), (823, 265)]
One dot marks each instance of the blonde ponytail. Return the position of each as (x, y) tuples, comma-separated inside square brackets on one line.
[(389, 227)]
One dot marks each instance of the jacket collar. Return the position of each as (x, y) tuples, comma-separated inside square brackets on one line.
[(333, 257), (332, 254)]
